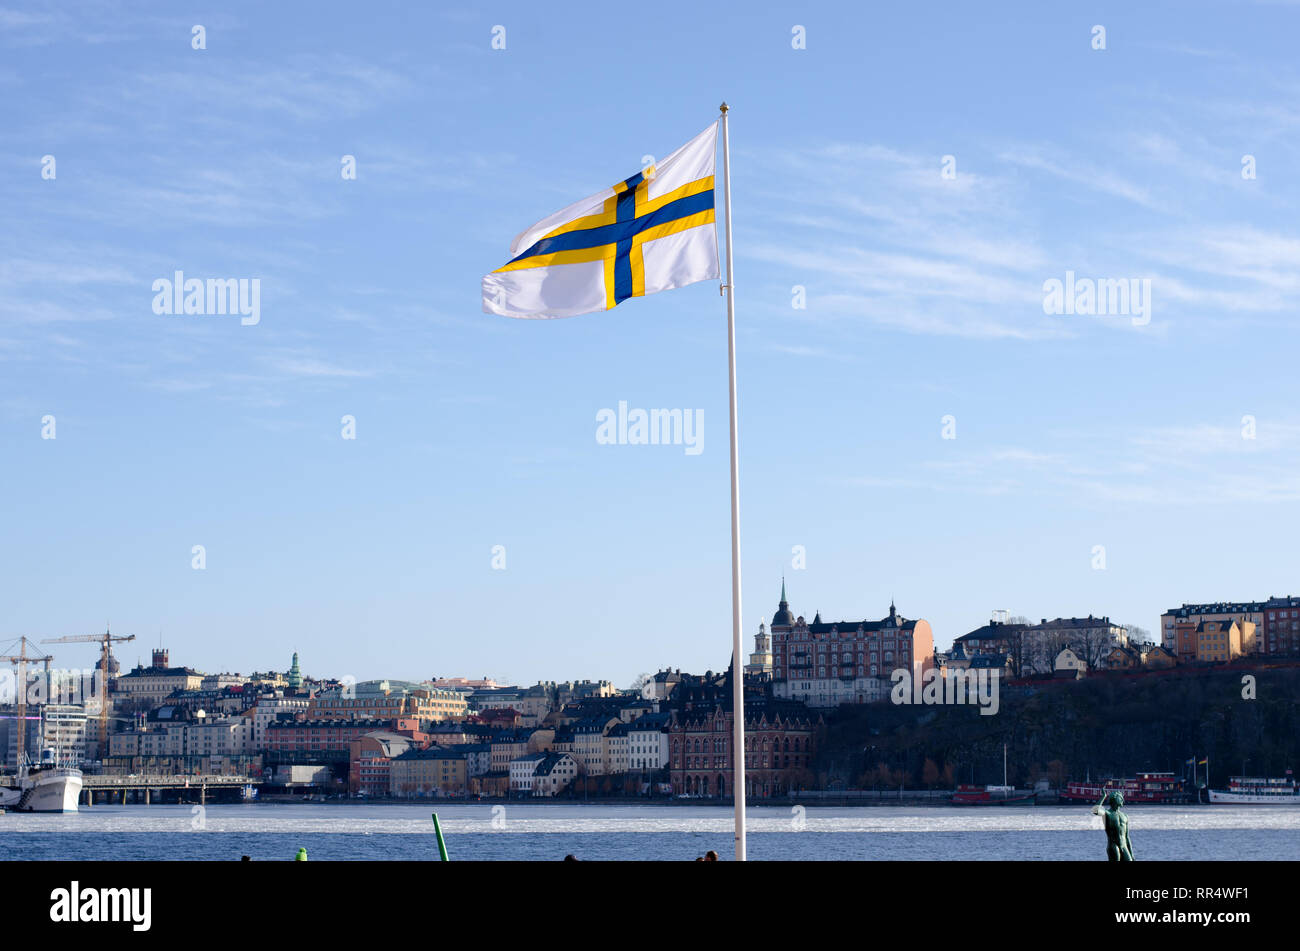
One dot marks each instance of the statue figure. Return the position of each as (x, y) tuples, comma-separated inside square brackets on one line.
[(1118, 846)]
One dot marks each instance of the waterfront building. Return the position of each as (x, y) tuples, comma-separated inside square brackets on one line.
[(647, 741), (329, 740), (780, 743), (219, 736), (1222, 641), (429, 772), (616, 749), (511, 744), (489, 698), (590, 744), (535, 702), (478, 758), (635, 708), (827, 664), (1070, 662), (661, 685), (388, 699), (465, 683), (215, 683), (153, 684), (61, 727), (1089, 638), (370, 758), (1157, 656), (1252, 611), (504, 718), (522, 769), (1140, 656), (1280, 631), (553, 774), (270, 706), (1033, 648)]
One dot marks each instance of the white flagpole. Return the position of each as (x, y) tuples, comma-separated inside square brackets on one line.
[(737, 661)]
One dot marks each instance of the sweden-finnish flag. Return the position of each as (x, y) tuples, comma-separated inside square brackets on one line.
[(651, 232)]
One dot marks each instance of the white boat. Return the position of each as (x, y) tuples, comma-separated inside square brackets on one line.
[(1247, 790), (43, 788)]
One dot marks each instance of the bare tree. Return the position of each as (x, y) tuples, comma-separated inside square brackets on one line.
[(1139, 634)]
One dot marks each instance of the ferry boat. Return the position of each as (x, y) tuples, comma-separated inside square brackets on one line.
[(1144, 787), (42, 787), (1246, 790)]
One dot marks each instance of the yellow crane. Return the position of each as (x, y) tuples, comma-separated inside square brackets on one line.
[(21, 660), (106, 642)]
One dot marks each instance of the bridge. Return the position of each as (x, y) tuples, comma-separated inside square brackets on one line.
[(140, 785)]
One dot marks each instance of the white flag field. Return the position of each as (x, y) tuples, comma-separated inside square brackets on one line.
[(651, 232)]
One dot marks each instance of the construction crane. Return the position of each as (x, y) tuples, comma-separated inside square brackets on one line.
[(106, 642), (21, 660)]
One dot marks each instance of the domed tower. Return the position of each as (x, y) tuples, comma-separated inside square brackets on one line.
[(295, 675), (783, 619), (114, 668)]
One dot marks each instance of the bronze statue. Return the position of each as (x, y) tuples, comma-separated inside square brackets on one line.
[(1118, 846)]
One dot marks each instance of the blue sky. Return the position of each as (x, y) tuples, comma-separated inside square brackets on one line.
[(373, 556)]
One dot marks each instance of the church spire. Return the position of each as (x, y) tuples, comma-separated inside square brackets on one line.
[(783, 617)]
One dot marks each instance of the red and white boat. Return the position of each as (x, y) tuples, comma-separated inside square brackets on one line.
[(1250, 791), (992, 796), (1144, 787)]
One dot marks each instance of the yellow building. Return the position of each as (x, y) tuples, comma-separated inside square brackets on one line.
[(431, 772), (157, 681), (1221, 641), (387, 700)]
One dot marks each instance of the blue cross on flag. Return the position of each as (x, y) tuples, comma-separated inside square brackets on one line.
[(651, 232)]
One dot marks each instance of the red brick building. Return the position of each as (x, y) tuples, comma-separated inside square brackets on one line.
[(780, 742), (827, 664), (1281, 628), (321, 737)]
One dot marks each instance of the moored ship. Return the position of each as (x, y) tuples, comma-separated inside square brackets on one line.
[(1144, 787), (992, 796), (43, 787), (1252, 791)]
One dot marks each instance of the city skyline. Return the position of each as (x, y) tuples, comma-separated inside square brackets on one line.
[(905, 187)]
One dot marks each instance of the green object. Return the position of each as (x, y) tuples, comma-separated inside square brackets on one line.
[(301, 856), (1118, 846), (442, 845)]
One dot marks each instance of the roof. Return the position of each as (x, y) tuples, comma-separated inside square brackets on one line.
[(139, 672), (434, 752), (548, 763), (1218, 607), (994, 630), (513, 736), (1088, 621), (650, 721), (471, 747)]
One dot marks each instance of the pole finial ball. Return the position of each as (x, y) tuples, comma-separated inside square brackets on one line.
[(724, 107)]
